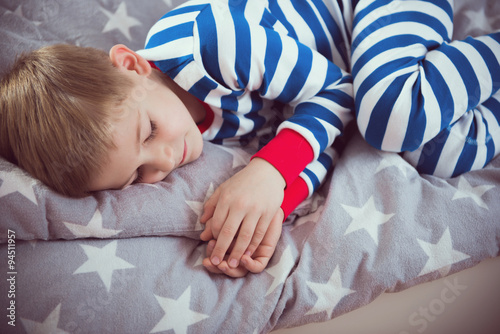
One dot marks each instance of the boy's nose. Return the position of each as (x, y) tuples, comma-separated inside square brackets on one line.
[(163, 159), (157, 168)]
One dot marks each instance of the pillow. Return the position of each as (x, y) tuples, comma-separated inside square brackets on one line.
[(34, 211)]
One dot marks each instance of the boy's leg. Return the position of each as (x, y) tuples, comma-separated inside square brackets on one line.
[(468, 144), (411, 82)]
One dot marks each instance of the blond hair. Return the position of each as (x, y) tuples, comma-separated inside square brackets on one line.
[(55, 110)]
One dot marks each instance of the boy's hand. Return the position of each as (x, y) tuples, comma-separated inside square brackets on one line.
[(256, 263), (242, 207)]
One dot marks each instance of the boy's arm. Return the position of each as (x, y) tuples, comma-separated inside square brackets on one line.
[(321, 109)]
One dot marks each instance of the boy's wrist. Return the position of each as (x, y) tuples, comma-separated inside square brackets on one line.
[(263, 166)]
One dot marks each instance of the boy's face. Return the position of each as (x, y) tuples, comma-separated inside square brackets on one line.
[(154, 134)]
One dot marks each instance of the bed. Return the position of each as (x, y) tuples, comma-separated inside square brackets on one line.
[(130, 261)]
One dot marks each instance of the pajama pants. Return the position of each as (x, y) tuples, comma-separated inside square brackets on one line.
[(418, 92)]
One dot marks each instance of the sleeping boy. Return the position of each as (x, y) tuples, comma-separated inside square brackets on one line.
[(228, 72), (217, 71)]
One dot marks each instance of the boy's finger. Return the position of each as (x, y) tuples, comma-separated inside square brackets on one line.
[(210, 248), (258, 236), (235, 273), (232, 272), (243, 239), (266, 249), (225, 237), (256, 265), (210, 267), (208, 212), (219, 219), (207, 234), (209, 207)]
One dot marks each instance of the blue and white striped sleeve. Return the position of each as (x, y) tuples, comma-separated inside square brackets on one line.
[(410, 79), (254, 58)]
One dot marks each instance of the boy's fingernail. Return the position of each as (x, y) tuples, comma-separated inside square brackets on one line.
[(248, 253), (233, 263), (215, 261)]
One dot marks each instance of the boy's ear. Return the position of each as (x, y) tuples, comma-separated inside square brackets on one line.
[(124, 58)]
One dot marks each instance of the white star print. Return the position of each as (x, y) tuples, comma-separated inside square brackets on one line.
[(366, 217), (240, 156), (92, 229), (465, 190), (120, 20), (49, 325), (202, 249), (178, 316), (18, 181), (478, 20), (103, 261), (441, 255), (19, 13), (392, 160), (152, 185), (197, 207), (281, 269), (329, 293)]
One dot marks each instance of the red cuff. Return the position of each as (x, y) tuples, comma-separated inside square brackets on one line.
[(294, 195), (289, 153), (209, 118)]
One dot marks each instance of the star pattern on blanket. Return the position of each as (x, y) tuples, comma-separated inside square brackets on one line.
[(393, 160), (441, 255), (103, 261), (49, 325), (197, 207), (280, 270), (477, 21), (240, 156), (202, 248), (178, 314), (366, 217), (465, 190), (19, 13), (120, 20), (93, 229), (329, 294), (17, 181)]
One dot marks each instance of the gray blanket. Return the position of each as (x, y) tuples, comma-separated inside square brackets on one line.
[(130, 261)]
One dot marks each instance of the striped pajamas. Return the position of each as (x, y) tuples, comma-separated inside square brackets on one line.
[(419, 92), (300, 63)]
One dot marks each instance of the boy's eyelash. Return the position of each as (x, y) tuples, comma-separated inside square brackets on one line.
[(138, 179), (153, 131)]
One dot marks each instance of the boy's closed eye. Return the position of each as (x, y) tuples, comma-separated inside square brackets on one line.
[(152, 135)]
